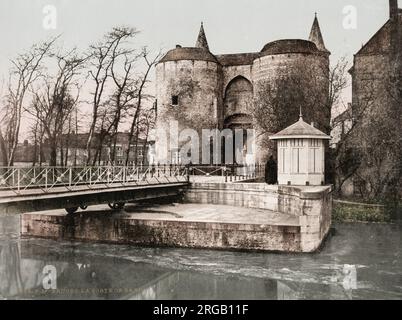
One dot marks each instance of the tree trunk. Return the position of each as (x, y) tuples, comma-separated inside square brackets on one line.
[(3, 150), (53, 154)]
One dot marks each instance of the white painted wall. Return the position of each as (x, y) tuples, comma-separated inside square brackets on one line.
[(300, 161)]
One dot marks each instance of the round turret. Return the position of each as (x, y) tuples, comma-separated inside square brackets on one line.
[(188, 89)]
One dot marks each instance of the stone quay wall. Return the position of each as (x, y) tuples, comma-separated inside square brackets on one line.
[(313, 205), (163, 233)]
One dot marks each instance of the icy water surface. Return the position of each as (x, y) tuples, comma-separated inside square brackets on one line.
[(358, 261)]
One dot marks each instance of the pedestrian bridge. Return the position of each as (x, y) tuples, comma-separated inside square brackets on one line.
[(45, 188)]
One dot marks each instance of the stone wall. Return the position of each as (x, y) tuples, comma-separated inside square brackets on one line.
[(313, 205), (118, 229), (315, 217), (197, 84), (249, 195), (231, 72)]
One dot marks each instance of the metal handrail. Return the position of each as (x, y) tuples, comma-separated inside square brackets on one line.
[(232, 172), (18, 179)]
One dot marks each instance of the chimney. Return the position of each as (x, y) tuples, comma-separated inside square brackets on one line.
[(313, 124), (393, 9)]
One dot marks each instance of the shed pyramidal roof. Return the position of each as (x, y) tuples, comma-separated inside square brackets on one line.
[(300, 129)]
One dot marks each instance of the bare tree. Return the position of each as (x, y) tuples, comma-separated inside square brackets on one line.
[(146, 123), (115, 110), (26, 70), (140, 98), (102, 56), (277, 101), (36, 135), (55, 100), (346, 152)]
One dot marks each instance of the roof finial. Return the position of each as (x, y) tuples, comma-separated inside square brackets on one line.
[(315, 14), (300, 114)]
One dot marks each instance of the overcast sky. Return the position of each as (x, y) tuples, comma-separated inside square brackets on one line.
[(231, 26)]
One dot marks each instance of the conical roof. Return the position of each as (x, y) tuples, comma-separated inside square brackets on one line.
[(202, 39), (299, 130), (316, 35)]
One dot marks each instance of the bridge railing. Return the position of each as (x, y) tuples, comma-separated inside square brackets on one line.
[(230, 172), (47, 178)]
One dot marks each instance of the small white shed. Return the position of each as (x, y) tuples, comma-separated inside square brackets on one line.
[(301, 154)]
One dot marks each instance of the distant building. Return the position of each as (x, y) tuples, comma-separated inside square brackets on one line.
[(376, 101), (24, 154), (374, 63), (75, 150)]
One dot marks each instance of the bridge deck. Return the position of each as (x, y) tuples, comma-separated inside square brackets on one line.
[(85, 195), (13, 200), (32, 193)]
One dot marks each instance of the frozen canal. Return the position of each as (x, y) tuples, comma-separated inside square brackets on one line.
[(358, 261)]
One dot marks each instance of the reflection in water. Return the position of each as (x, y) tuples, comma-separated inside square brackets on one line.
[(359, 261)]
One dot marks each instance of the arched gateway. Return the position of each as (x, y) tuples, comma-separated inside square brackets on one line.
[(237, 106)]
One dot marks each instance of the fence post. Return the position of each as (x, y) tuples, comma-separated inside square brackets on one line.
[(46, 178)]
